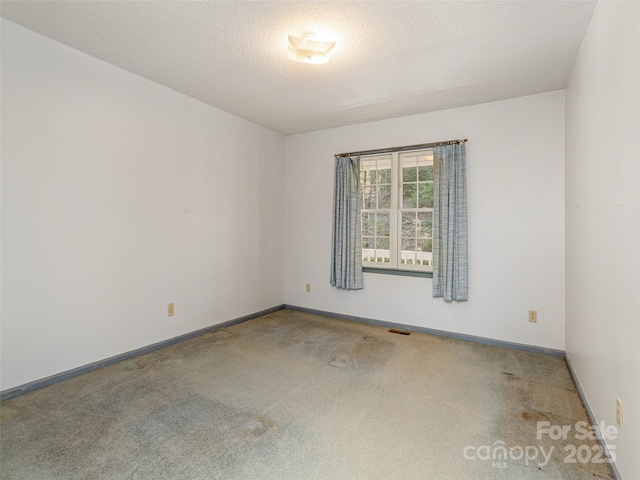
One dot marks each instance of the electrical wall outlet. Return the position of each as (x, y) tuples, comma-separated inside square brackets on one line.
[(619, 417), (170, 310), (533, 316), (308, 288)]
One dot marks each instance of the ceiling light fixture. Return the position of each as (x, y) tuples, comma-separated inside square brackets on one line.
[(309, 48)]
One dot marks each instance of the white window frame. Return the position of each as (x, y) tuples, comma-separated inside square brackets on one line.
[(395, 214)]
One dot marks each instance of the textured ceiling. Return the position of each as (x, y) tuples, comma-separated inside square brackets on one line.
[(392, 58)]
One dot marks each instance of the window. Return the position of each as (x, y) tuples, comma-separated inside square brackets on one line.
[(397, 210)]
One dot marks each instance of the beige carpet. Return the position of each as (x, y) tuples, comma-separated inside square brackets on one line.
[(299, 396)]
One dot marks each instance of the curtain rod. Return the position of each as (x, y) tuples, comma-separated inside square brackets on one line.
[(401, 149)]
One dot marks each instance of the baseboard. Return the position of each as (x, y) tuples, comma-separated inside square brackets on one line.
[(59, 377), (431, 331), (592, 419)]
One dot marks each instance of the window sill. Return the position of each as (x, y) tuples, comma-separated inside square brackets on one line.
[(402, 273)]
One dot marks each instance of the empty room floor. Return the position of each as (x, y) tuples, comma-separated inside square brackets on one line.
[(293, 395)]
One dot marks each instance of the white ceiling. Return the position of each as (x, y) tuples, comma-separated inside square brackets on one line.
[(392, 58)]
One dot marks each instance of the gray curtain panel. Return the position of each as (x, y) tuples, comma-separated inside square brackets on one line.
[(450, 251), (346, 247)]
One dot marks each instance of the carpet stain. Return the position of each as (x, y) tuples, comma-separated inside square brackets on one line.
[(131, 365), (7, 412), (162, 359), (258, 427), (510, 376), (368, 356), (534, 415)]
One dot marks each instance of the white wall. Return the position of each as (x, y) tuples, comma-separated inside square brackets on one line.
[(603, 215), (120, 196), (516, 221)]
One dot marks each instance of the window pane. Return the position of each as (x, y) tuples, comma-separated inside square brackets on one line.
[(408, 245), (408, 253), (384, 196), (425, 172), (425, 224), (369, 197), (425, 195), (409, 196), (409, 174), (368, 242), (368, 224), (425, 245), (409, 168), (368, 172), (384, 176), (367, 177), (409, 160), (382, 225), (382, 243), (383, 163), (382, 250), (408, 224)]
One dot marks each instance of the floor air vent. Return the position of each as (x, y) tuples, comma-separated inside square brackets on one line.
[(399, 332)]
